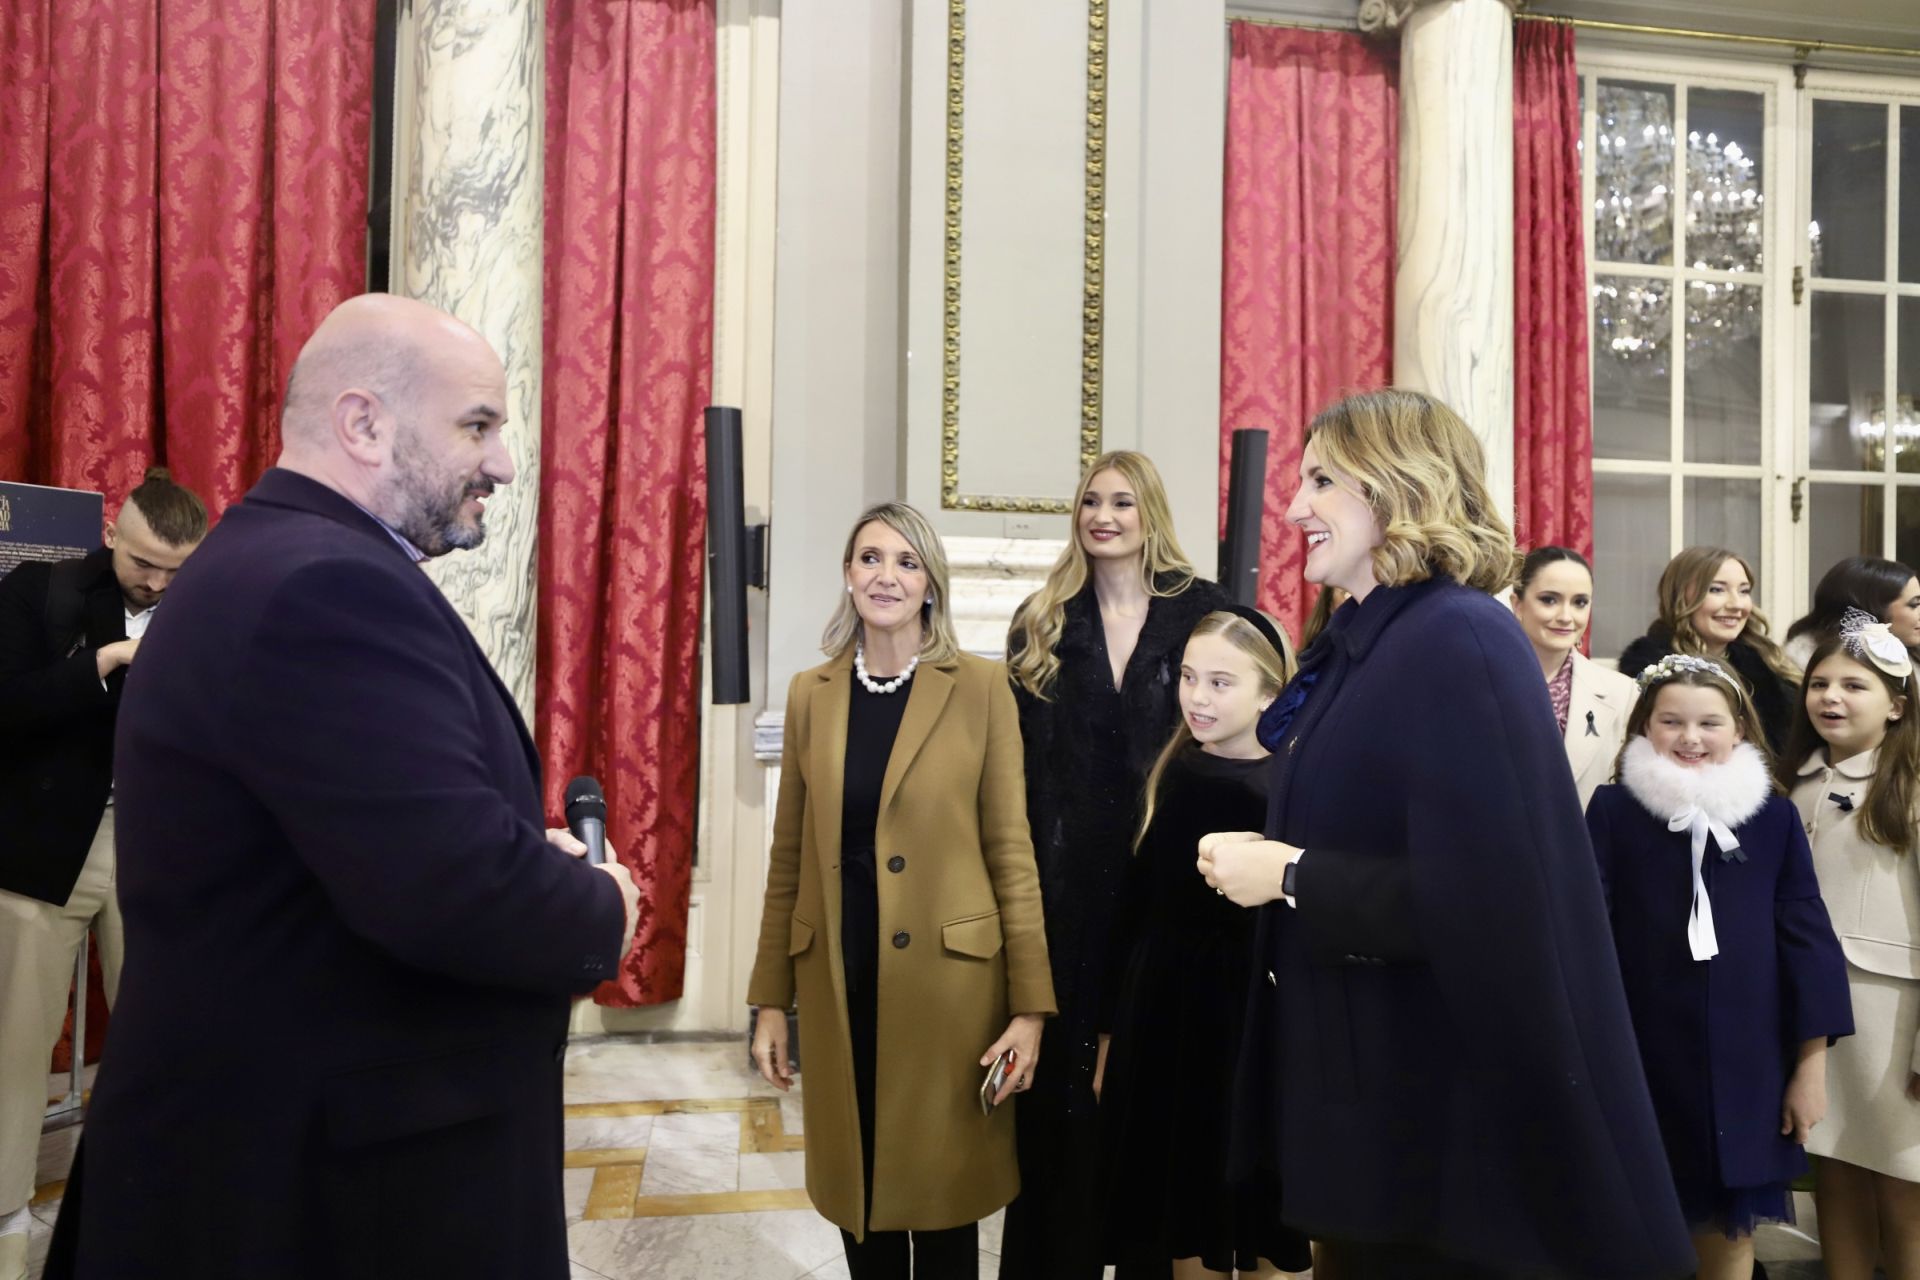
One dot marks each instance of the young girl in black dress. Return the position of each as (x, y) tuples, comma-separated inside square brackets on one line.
[(1182, 956)]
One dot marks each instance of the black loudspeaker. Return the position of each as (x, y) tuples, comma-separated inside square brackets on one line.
[(727, 556), (1246, 503)]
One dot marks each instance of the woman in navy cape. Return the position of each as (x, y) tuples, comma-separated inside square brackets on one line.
[(1439, 1066)]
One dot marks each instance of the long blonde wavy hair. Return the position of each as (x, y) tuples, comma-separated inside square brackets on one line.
[(1031, 659), (1422, 471), (937, 640), (1275, 668), (1683, 589)]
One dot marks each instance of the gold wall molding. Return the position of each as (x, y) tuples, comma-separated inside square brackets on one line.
[(1093, 266)]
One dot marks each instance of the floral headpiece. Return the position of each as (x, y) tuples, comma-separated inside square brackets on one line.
[(1871, 640), (1675, 663)]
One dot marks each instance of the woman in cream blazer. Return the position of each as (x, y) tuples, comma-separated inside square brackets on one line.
[(1554, 602), (903, 908)]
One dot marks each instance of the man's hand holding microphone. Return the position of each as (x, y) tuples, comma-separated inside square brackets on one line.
[(587, 838)]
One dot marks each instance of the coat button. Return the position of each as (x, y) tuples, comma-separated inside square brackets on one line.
[(901, 939), (896, 863), (1271, 980)]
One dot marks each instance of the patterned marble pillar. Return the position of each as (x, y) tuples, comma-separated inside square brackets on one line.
[(1453, 285), (469, 241)]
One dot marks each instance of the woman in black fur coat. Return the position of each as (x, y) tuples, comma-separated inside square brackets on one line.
[(1094, 658), (1706, 609)]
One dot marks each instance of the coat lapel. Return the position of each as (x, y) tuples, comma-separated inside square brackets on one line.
[(826, 780), (1586, 701), (931, 688)]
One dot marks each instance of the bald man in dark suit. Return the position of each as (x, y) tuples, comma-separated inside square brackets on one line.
[(350, 943)]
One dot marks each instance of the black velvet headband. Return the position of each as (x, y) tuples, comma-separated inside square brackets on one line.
[(1261, 623)]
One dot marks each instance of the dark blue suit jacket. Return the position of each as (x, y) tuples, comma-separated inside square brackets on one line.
[(349, 947), (1718, 1036), (1444, 1055)]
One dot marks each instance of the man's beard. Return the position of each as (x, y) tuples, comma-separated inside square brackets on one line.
[(430, 511)]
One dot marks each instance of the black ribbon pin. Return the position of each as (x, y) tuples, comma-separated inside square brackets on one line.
[(1593, 730), (1844, 801)]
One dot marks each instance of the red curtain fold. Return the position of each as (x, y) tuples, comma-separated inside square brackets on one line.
[(631, 182), (183, 197), (1312, 164), (1552, 401)]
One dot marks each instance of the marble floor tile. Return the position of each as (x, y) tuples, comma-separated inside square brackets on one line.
[(835, 1270), (56, 1155), (741, 1246), (792, 1116), (574, 1186), (991, 1230), (620, 1071), (615, 1131), (678, 1133), (683, 1171), (773, 1172)]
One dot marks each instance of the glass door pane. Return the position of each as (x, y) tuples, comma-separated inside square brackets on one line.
[(1723, 513), (1726, 191), (1723, 389), (1842, 520), (1633, 173), (1849, 227), (1632, 373), (1846, 380), (1909, 234), (1630, 522)]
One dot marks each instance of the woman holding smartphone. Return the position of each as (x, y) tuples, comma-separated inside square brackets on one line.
[(903, 908)]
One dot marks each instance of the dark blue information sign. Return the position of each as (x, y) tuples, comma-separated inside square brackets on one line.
[(38, 523)]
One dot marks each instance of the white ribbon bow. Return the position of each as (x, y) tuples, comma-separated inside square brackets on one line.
[(1694, 819)]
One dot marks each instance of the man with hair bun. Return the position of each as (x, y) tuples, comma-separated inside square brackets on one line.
[(68, 635)]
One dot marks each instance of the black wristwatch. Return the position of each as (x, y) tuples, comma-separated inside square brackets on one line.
[(1289, 878)]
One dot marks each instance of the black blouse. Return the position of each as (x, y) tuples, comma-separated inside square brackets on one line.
[(873, 721)]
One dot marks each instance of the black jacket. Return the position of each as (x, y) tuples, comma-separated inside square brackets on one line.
[(1773, 697), (351, 947), (56, 719)]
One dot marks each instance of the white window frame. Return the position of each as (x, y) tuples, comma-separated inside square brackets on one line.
[(1597, 61), (1895, 92)]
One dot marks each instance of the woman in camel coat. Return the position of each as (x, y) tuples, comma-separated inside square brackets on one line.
[(903, 908)]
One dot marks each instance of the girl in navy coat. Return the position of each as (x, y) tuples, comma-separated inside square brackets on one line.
[(1733, 974)]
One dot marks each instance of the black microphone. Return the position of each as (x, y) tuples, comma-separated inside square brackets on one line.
[(587, 817)]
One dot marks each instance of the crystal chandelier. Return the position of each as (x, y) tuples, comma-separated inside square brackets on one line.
[(1633, 223)]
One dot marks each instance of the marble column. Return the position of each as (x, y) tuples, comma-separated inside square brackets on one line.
[(468, 237), (1453, 284)]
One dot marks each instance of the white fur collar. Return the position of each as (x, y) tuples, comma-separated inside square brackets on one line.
[(1728, 793)]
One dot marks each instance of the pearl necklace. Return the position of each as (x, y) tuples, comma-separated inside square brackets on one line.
[(877, 686)]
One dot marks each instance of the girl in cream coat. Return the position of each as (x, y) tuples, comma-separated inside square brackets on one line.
[(1554, 602), (1856, 745)]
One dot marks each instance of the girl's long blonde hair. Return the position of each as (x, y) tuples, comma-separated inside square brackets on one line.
[(1275, 667), (1683, 589), (937, 640), (1031, 659)]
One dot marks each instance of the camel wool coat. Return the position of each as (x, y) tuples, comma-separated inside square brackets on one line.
[(957, 883)]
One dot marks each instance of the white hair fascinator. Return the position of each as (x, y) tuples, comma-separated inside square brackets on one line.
[(1868, 638)]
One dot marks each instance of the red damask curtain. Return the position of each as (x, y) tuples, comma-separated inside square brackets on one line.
[(630, 195), (1552, 402), (183, 195), (1307, 305)]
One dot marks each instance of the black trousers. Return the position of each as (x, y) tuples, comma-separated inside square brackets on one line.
[(952, 1254)]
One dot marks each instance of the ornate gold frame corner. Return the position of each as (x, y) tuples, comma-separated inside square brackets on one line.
[(1093, 267)]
